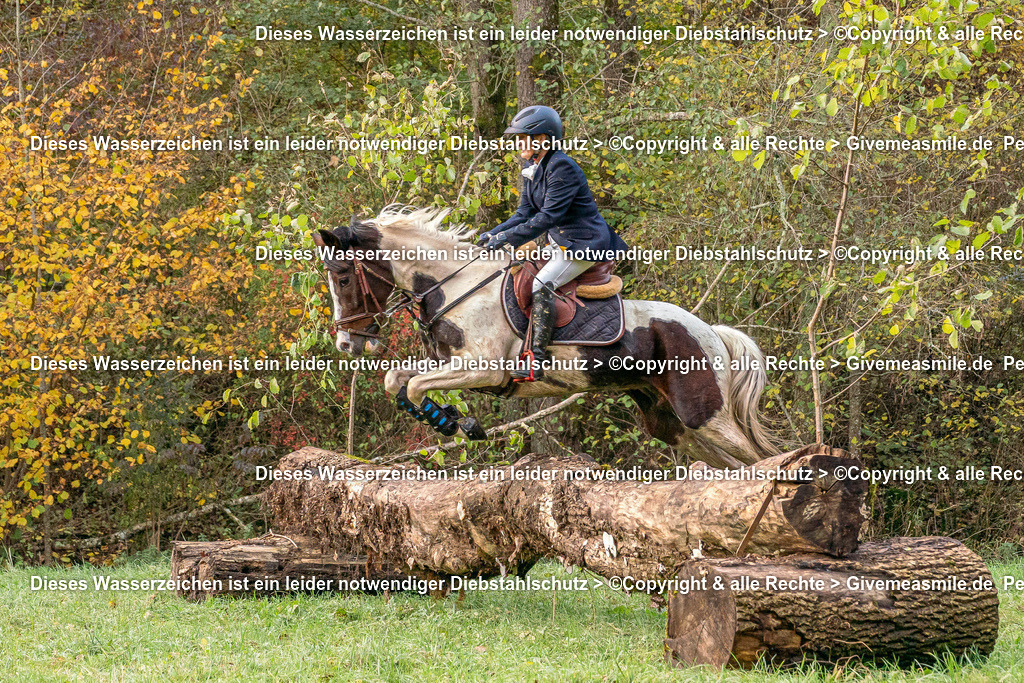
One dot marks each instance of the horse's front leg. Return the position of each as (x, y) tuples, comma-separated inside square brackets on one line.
[(446, 419), (395, 379)]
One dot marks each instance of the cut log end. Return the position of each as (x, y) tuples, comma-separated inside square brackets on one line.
[(702, 626), (829, 511)]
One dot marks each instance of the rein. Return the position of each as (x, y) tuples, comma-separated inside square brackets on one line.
[(409, 299)]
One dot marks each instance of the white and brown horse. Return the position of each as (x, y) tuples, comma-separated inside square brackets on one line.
[(709, 401)]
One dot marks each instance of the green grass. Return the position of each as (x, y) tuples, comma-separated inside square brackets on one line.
[(595, 636)]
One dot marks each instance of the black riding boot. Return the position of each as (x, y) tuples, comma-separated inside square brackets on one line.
[(542, 319)]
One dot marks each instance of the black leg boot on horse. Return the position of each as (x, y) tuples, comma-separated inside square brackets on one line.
[(445, 419), (542, 328)]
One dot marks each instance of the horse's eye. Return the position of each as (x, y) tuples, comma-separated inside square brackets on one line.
[(342, 280)]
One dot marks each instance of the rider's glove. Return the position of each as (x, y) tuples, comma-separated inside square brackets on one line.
[(484, 239), (497, 241)]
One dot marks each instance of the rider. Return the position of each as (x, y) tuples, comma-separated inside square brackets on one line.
[(555, 200)]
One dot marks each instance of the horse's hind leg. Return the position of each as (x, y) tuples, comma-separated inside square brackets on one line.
[(659, 419), (709, 442)]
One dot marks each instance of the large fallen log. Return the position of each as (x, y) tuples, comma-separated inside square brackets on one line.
[(501, 520), (903, 599)]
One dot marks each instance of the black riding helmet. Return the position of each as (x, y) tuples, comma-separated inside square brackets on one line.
[(537, 120)]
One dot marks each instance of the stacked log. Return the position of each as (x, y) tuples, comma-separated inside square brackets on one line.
[(272, 564), (902, 599)]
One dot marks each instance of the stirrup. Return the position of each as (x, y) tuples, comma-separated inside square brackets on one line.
[(531, 374)]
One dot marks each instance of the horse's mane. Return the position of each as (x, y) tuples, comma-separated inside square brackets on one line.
[(426, 222)]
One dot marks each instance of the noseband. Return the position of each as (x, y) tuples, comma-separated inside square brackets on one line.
[(367, 296)]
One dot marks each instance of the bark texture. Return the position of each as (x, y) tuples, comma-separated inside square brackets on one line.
[(556, 507), (537, 80), (483, 66), (852, 616), (262, 559)]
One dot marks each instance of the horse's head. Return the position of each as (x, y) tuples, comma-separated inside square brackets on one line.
[(360, 284)]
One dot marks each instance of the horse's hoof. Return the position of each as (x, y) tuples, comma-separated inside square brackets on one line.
[(470, 426)]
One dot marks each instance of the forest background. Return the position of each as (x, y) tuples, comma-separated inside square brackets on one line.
[(138, 254)]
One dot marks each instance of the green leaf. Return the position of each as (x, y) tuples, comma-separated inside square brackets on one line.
[(301, 220), (960, 115), (954, 339), (759, 160), (832, 107), (981, 296), (274, 388), (968, 196), (911, 125), (980, 240), (227, 395)]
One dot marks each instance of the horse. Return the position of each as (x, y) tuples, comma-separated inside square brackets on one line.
[(705, 398)]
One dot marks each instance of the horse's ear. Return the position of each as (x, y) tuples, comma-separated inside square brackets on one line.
[(323, 238)]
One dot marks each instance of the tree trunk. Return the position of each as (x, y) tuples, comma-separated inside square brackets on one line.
[(537, 82), (486, 87), (839, 616), (273, 564), (617, 75), (557, 507), (855, 415)]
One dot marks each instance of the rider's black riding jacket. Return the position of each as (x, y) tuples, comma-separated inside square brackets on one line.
[(557, 200)]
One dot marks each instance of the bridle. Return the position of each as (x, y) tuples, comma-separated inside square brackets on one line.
[(360, 271), (408, 300)]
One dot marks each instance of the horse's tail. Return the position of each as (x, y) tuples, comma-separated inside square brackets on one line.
[(745, 388)]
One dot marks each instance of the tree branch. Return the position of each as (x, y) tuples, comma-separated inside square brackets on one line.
[(125, 534)]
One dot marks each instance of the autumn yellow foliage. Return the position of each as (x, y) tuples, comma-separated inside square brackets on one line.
[(107, 252)]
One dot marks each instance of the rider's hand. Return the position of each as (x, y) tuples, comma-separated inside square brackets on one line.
[(484, 239), (497, 241)]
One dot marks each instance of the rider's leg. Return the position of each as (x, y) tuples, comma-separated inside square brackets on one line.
[(555, 273)]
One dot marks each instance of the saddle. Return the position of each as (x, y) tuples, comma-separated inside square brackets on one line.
[(594, 283), (588, 309)]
